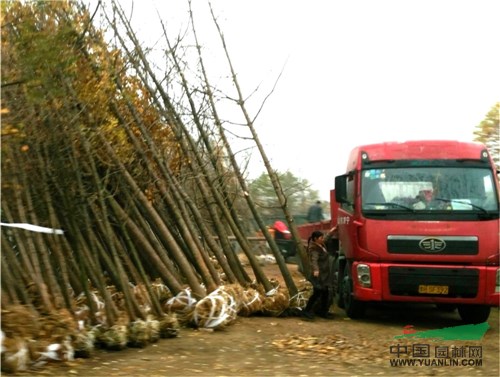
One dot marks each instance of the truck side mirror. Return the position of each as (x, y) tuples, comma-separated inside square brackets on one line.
[(341, 188)]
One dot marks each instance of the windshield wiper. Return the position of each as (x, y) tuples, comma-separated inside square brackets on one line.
[(462, 202), (391, 204)]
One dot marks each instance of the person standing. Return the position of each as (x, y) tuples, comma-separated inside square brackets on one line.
[(315, 212), (319, 260)]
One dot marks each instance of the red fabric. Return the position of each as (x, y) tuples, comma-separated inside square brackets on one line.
[(282, 231), (280, 226)]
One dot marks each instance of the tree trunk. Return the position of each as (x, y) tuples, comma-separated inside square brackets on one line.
[(165, 234), (272, 174), (188, 146), (168, 278), (274, 248), (183, 224), (27, 249)]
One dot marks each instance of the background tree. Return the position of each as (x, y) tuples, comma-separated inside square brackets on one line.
[(298, 191), (488, 132)]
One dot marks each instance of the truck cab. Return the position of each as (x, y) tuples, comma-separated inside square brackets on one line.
[(419, 222)]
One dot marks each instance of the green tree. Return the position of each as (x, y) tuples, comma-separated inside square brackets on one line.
[(297, 190), (488, 133)]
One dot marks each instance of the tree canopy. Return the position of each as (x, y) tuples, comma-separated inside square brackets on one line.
[(298, 191), (488, 132)]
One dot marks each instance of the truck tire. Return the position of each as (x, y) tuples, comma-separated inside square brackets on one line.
[(354, 309), (474, 314)]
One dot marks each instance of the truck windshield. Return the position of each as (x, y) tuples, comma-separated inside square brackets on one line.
[(419, 189)]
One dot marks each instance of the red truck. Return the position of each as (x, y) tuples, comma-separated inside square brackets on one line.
[(418, 221)]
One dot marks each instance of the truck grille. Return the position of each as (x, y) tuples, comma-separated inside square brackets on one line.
[(440, 245), (405, 281)]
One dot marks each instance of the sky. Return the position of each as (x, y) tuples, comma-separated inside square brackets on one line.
[(352, 72)]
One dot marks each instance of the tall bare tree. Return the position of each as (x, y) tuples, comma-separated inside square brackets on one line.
[(272, 173)]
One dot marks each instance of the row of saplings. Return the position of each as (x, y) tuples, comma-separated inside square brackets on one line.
[(30, 340)]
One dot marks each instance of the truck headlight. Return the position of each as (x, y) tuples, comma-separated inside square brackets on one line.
[(364, 276)]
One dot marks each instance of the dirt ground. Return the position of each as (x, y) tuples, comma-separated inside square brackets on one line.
[(269, 346)]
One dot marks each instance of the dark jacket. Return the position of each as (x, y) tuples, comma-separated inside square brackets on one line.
[(319, 260), (315, 213)]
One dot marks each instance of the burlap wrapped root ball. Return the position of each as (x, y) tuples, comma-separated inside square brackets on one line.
[(56, 349), (182, 305), (114, 338), (142, 297), (276, 302), (234, 290), (305, 290), (215, 311), (251, 302), (154, 328), (84, 343), (142, 332), (15, 354), (20, 321), (161, 291), (169, 326), (299, 301), (83, 307), (29, 339)]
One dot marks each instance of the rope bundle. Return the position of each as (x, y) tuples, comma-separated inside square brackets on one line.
[(251, 302), (216, 310), (276, 302), (182, 305)]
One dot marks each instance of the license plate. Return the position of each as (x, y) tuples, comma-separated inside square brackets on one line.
[(433, 289)]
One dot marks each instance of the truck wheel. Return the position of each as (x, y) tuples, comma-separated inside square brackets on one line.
[(474, 314), (353, 308)]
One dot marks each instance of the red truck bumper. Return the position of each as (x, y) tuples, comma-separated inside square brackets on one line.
[(429, 284)]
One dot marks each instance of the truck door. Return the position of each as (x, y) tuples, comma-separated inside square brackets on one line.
[(345, 189)]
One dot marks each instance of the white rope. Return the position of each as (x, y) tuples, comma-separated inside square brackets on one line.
[(181, 297), (222, 309), (300, 299), (255, 298), (213, 320), (34, 228), (272, 292)]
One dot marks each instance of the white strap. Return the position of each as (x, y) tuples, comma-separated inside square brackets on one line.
[(34, 228)]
